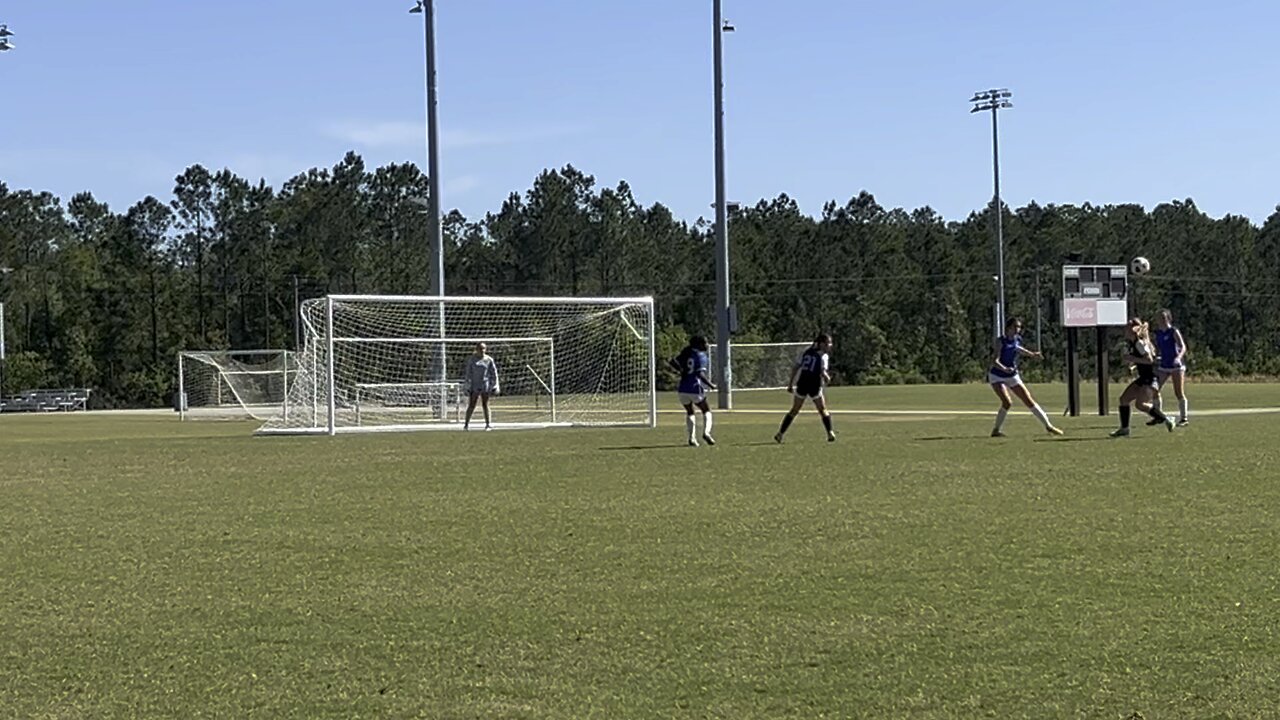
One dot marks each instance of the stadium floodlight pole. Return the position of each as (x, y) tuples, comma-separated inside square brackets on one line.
[(427, 9), (995, 100), (5, 34), (724, 364), (4, 276)]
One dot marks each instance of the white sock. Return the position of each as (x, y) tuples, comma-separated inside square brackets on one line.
[(706, 423), (1159, 402), (1001, 414), (1182, 408), (1041, 416), (690, 424)]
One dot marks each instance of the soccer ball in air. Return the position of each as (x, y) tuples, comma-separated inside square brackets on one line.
[(1139, 266)]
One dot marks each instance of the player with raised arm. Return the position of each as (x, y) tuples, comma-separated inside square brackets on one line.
[(693, 366), (808, 379), (480, 378), (1172, 350), (1140, 355), (1004, 377)]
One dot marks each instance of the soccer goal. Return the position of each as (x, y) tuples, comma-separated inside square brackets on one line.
[(762, 366), (386, 363), (233, 384)]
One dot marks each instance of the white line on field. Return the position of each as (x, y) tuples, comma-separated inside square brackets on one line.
[(782, 409)]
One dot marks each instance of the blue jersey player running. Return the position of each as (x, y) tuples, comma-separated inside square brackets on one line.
[(1172, 350), (695, 380), (1004, 378), (808, 380)]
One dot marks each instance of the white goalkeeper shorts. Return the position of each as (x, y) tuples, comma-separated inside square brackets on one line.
[(692, 398), (994, 379)]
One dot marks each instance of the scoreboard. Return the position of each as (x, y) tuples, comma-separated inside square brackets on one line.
[(1095, 295)]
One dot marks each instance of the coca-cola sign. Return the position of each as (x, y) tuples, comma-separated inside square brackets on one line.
[(1079, 313)]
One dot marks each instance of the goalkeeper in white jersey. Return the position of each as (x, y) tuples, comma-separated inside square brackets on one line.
[(480, 378)]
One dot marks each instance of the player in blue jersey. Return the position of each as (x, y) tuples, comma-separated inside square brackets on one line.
[(695, 381), (808, 379), (1004, 377), (1172, 350), (1141, 393)]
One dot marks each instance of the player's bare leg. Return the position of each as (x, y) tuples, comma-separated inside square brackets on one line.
[(690, 425), (1158, 403), (1179, 389), (1144, 400), (484, 400), (821, 404), (1002, 392), (706, 422), (471, 408), (796, 404), (1041, 415)]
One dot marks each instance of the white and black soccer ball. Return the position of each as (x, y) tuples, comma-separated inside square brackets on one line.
[(1139, 266)]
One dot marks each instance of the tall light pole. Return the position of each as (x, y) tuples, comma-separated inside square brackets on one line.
[(4, 275), (436, 234), (5, 34), (724, 366), (434, 230), (996, 100)]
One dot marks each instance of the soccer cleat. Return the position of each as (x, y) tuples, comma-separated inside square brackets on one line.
[(1053, 430), (997, 433), (1168, 423), (708, 439), (1153, 422), (1183, 422), (693, 442), (778, 438), (831, 437), (1120, 432), (487, 428)]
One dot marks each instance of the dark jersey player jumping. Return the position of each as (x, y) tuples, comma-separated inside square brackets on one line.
[(1142, 391)]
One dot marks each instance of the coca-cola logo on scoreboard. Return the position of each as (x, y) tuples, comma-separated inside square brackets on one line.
[(1079, 313)]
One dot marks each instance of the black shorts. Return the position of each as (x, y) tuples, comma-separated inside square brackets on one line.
[(1145, 383), (809, 390)]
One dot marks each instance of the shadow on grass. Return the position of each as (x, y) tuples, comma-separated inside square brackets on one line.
[(1078, 438), (669, 446)]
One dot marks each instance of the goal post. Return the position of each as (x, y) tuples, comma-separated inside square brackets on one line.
[(233, 384), (762, 365), (385, 362)]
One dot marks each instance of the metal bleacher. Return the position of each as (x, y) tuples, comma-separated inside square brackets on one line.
[(47, 400)]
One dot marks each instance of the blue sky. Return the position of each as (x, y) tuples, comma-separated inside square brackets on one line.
[(1136, 101)]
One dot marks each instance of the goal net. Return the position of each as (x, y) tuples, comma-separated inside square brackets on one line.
[(761, 366), (372, 363), (233, 384)]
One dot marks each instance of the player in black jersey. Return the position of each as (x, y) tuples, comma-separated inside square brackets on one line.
[(808, 379), (1140, 355)]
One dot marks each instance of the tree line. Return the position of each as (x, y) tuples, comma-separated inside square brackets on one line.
[(106, 299)]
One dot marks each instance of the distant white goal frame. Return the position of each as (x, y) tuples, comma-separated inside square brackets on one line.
[(247, 410), (787, 358), (327, 400), (451, 398)]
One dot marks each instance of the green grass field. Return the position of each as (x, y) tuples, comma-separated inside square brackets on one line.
[(915, 568)]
